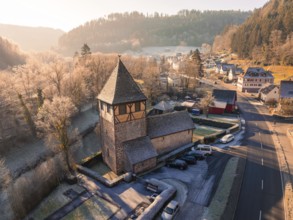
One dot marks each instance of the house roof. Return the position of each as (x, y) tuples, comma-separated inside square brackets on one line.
[(139, 149), (165, 124), (120, 87), (267, 89), (257, 72), (163, 106), (228, 96), (286, 89), (218, 104)]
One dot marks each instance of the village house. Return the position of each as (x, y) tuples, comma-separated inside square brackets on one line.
[(174, 80), (254, 79), (224, 68), (234, 73), (131, 141), (224, 101), (269, 93)]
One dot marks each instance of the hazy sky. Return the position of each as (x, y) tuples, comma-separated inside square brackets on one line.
[(67, 14)]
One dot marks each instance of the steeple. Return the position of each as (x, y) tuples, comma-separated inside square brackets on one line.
[(120, 87)]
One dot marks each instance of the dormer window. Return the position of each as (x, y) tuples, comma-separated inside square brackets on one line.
[(102, 105), (108, 108)]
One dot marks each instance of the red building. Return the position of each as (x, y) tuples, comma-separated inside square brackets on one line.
[(225, 101)]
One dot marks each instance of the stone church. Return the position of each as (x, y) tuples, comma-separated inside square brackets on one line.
[(131, 141)]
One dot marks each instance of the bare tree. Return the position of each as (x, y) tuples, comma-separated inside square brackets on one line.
[(56, 74), (206, 102), (54, 120)]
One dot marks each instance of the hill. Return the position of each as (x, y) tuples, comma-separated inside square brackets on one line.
[(119, 32), (10, 54), (267, 35), (31, 38)]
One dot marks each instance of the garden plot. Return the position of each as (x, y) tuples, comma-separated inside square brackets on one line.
[(202, 130)]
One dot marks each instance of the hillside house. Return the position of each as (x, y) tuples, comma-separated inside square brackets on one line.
[(225, 101), (254, 79), (131, 141), (269, 93)]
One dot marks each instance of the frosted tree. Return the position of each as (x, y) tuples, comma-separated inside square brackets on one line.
[(206, 102), (54, 120)]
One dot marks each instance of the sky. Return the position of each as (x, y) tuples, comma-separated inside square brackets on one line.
[(68, 14)]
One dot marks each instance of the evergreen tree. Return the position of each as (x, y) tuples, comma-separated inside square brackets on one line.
[(85, 50)]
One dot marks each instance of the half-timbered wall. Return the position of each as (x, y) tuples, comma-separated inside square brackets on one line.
[(131, 112)]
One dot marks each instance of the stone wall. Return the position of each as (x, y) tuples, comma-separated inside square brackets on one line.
[(127, 131), (145, 165), (108, 143), (170, 142)]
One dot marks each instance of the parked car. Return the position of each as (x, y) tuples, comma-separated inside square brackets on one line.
[(227, 138), (195, 155), (204, 149), (179, 164), (188, 159), (170, 210)]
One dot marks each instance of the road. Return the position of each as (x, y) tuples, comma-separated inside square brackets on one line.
[(261, 195)]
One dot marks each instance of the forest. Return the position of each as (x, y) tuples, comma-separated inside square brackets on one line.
[(119, 32), (10, 54), (267, 35)]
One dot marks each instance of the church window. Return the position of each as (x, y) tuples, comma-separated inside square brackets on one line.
[(122, 109), (137, 106), (102, 106), (108, 108)]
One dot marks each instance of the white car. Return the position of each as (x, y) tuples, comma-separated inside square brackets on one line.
[(204, 149), (170, 210), (227, 138)]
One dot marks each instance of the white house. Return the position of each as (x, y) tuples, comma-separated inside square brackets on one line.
[(269, 93), (254, 79)]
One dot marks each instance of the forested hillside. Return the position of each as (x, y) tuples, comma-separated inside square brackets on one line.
[(267, 35), (10, 54), (31, 38), (119, 32)]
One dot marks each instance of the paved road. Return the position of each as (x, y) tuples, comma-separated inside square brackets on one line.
[(261, 195)]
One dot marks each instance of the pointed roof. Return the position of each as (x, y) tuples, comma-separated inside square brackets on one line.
[(120, 87)]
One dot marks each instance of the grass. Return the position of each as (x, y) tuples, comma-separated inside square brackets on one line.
[(101, 168), (203, 132), (220, 199)]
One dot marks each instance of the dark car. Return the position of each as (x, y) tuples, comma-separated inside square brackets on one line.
[(179, 164), (188, 159), (195, 155)]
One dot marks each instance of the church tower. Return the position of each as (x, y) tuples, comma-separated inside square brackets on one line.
[(122, 108)]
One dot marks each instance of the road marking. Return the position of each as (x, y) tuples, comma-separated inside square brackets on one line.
[(259, 215), (261, 161), (261, 184)]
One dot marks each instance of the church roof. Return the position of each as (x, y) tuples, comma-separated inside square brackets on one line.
[(120, 87), (163, 106), (165, 124), (139, 149)]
